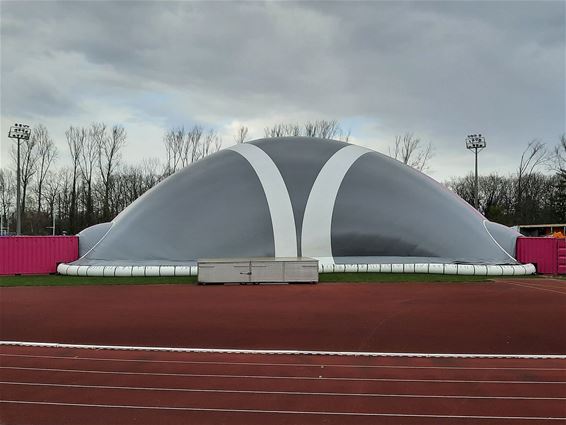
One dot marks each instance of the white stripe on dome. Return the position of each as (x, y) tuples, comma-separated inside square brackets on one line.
[(278, 200), (496, 243), (317, 222)]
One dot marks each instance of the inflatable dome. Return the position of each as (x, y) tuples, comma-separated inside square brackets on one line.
[(348, 206)]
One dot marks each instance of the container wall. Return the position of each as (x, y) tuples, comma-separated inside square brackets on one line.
[(36, 254), (561, 256), (543, 253)]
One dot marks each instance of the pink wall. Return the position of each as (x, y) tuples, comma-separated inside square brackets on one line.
[(562, 256), (36, 254), (548, 254)]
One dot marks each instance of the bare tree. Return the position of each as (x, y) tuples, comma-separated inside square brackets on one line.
[(7, 195), (174, 141), (463, 187), (559, 165), (185, 147), (558, 159), (47, 152), (211, 143), (534, 156), (283, 130), (108, 159), (88, 160), (411, 151), (150, 174), (76, 137), (192, 150), (241, 134), (321, 128), (325, 130), (53, 185), (494, 195)]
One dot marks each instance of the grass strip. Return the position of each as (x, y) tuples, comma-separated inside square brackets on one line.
[(60, 280)]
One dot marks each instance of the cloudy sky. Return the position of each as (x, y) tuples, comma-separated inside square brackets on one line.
[(438, 69)]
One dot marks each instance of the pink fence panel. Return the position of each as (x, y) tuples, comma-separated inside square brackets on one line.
[(562, 256), (36, 254), (546, 253)]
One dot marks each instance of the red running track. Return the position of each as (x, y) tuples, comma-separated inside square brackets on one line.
[(71, 386), (519, 316), (64, 386)]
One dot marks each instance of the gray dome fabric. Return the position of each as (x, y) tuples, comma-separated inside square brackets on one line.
[(89, 237), (298, 196)]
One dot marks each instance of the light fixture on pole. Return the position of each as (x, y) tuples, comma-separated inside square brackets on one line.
[(19, 132), (476, 143)]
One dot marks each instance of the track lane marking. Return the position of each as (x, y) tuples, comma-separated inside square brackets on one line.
[(301, 393), (543, 283), (286, 412), (326, 365), (535, 287), (306, 378), (284, 352)]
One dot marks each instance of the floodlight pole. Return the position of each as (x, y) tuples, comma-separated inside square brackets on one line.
[(476, 183), (18, 194), (19, 132), (476, 143)]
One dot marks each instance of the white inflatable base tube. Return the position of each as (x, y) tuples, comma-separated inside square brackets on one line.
[(432, 268)]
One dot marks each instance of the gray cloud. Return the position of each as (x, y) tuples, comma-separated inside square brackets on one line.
[(439, 69)]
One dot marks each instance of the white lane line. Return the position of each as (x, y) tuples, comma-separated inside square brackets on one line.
[(285, 352), (286, 412), (301, 393), (277, 195), (535, 287), (318, 366), (316, 239), (305, 378)]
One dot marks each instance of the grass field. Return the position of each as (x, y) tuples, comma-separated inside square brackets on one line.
[(58, 280)]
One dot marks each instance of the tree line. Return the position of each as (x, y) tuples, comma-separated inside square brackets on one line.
[(534, 194), (94, 184)]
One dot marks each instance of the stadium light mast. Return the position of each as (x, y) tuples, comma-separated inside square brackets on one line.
[(19, 132), (476, 143)]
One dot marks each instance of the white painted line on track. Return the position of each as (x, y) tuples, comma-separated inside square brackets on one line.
[(285, 412), (535, 287), (285, 352), (320, 365), (538, 281), (301, 393), (305, 378)]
